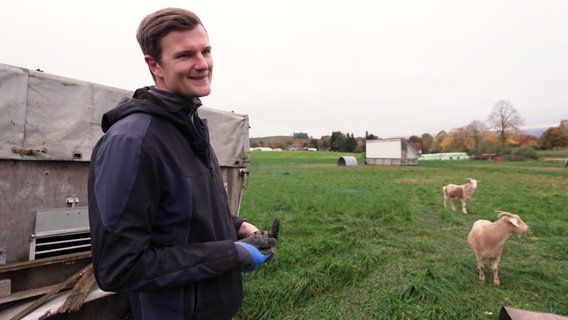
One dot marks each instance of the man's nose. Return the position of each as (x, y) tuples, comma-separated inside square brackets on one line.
[(201, 62)]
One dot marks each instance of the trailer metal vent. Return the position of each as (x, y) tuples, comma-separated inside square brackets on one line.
[(60, 231)]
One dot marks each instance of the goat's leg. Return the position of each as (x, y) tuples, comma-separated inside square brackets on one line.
[(494, 265), (464, 208), (481, 269), (445, 196), (452, 204)]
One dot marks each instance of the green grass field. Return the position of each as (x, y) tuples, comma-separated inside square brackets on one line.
[(370, 242)]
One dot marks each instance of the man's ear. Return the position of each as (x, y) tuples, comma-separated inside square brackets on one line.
[(153, 65)]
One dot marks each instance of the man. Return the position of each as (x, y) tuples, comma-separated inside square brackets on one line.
[(160, 221)]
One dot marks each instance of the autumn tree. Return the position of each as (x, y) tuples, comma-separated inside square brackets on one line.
[(457, 140), (553, 138), (427, 141), (416, 142), (441, 142), (475, 133), (504, 119), (324, 143), (279, 143)]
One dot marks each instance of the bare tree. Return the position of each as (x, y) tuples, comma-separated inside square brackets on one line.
[(505, 119)]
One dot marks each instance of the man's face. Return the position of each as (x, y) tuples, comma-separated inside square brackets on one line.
[(186, 66)]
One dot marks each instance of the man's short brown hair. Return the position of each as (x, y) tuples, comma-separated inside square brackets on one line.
[(158, 24)]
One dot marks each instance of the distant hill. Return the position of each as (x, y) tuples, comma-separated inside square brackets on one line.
[(268, 138), (537, 132)]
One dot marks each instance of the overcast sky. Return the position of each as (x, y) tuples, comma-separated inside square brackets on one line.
[(392, 68)]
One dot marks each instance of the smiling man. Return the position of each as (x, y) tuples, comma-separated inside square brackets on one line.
[(161, 226), (185, 65)]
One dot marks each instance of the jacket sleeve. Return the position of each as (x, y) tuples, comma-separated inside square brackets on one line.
[(237, 222), (123, 202)]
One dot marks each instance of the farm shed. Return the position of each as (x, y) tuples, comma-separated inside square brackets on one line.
[(391, 152), (347, 161)]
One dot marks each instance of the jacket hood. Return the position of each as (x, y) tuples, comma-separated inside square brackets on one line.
[(145, 102)]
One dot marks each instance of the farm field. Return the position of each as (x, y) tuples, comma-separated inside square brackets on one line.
[(367, 242)]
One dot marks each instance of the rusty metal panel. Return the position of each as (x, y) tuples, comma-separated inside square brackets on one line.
[(29, 186), (13, 88), (48, 128), (25, 187), (47, 117)]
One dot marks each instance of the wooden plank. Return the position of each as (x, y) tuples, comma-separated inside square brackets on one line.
[(51, 293), (43, 262), (20, 295), (5, 288), (77, 296)]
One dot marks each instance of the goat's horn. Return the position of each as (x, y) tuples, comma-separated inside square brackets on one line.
[(503, 213)]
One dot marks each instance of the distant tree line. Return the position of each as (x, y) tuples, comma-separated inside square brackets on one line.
[(499, 135)]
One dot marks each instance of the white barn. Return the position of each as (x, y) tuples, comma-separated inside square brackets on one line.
[(391, 152)]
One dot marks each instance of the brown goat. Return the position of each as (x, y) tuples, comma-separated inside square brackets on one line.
[(486, 239), (463, 193)]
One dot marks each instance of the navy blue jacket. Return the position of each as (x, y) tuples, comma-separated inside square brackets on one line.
[(160, 221)]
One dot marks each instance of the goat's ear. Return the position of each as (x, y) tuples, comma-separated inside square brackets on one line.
[(514, 222)]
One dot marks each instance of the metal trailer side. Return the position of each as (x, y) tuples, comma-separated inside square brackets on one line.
[(48, 127)]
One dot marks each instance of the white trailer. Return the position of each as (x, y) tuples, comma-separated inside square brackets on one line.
[(393, 151)]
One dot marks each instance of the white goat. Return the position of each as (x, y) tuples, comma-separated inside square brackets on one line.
[(463, 192), (486, 239)]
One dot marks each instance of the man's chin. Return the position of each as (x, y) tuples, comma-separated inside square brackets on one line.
[(202, 92), (205, 94), (194, 94)]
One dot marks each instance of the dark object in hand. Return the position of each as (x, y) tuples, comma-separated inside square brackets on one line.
[(264, 240), (275, 228)]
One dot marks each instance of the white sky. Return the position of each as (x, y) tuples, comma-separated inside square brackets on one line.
[(391, 68)]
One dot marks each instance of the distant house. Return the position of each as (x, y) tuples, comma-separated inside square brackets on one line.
[(295, 147), (391, 152)]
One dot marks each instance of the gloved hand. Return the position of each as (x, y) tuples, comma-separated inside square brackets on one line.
[(257, 250)]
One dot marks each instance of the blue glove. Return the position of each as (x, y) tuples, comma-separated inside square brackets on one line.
[(251, 257)]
